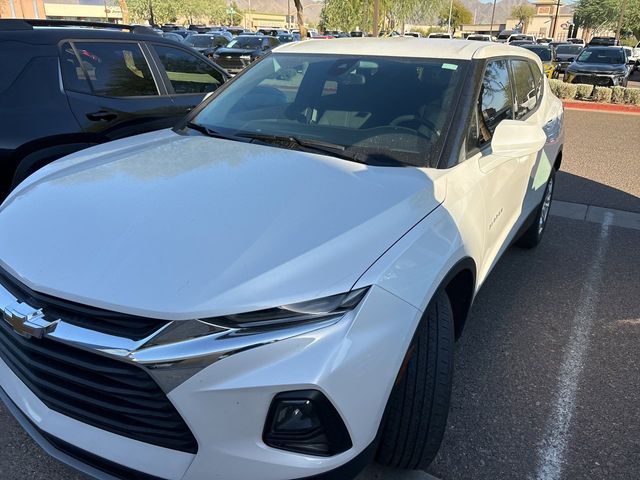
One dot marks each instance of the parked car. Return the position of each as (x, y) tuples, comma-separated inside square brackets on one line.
[(207, 43), (577, 41), (412, 34), (520, 43), (286, 38), (602, 41), (67, 88), (257, 292), (520, 37), (480, 37), (633, 57), (504, 35), (547, 57), (544, 40), (440, 35), (173, 36), (566, 54), (235, 31), (358, 34), (201, 28), (603, 66), (243, 50)]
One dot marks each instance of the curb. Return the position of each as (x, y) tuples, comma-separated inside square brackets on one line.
[(601, 107)]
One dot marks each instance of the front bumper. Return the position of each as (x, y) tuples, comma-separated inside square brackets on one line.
[(354, 362), (597, 79)]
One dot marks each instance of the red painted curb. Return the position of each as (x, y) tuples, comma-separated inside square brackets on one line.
[(601, 107)]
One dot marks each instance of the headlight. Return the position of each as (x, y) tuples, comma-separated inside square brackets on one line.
[(304, 312)]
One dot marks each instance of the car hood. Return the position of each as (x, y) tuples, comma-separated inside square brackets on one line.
[(236, 52), (182, 226), (596, 68)]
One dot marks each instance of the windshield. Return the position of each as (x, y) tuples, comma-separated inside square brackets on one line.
[(543, 53), (201, 40), (602, 55), (245, 43), (568, 49), (387, 110)]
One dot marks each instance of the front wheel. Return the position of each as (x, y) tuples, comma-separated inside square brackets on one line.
[(417, 411), (533, 235)]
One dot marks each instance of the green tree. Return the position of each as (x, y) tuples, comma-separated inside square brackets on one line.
[(460, 15), (523, 12), (604, 15)]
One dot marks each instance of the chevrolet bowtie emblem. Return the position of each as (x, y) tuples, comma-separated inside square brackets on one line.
[(27, 321)]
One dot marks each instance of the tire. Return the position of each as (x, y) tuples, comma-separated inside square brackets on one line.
[(416, 414), (533, 235)]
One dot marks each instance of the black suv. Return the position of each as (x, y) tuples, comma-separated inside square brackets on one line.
[(64, 88)]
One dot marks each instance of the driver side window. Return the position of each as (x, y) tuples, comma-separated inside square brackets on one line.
[(495, 103)]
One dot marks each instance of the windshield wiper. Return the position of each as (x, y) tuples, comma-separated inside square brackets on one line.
[(214, 133), (310, 146)]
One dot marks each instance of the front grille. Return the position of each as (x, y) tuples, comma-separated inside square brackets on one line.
[(230, 63), (104, 321), (593, 80), (109, 394)]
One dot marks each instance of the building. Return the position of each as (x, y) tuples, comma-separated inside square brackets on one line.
[(255, 20), (22, 9), (87, 10), (483, 28)]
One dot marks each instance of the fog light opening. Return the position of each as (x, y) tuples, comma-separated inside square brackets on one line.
[(305, 421)]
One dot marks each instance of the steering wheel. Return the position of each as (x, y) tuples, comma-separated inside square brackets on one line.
[(405, 121)]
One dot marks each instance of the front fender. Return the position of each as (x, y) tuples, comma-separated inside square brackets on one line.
[(417, 265)]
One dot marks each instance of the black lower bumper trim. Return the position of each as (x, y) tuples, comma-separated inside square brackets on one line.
[(86, 462), (351, 469)]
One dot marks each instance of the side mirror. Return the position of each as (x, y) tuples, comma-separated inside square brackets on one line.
[(514, 139), (265, 47), (571, 59)]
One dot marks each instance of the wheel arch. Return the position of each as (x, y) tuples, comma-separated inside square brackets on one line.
[(459, 285), (558, 161)]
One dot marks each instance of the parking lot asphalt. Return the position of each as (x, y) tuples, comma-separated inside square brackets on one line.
[(546, 377)]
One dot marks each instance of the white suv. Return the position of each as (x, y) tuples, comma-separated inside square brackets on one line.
[(272, 289)]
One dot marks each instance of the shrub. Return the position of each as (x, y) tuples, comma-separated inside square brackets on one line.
[(617, 95), (584, 91), (602, 94), (632, 96), (555, 86), (567, 91)]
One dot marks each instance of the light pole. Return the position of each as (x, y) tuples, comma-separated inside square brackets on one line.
[(555, 20), (450, 12), (493, 15)]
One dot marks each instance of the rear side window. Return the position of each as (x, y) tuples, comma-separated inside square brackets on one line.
[(73, 75), (526, 89), (495, 104), (188, 73), (116, 69)]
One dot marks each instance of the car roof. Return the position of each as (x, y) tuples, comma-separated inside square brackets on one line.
[(51, 35), (407, 47)]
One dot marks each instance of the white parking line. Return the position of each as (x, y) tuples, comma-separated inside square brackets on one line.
[(551, 456)]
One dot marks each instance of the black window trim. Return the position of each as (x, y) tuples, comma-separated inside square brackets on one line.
[(155, 74), (509, 58), (474, 151), (538, 97), (163, 73)]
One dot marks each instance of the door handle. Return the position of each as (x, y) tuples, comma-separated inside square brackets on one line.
[(102, 115)]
